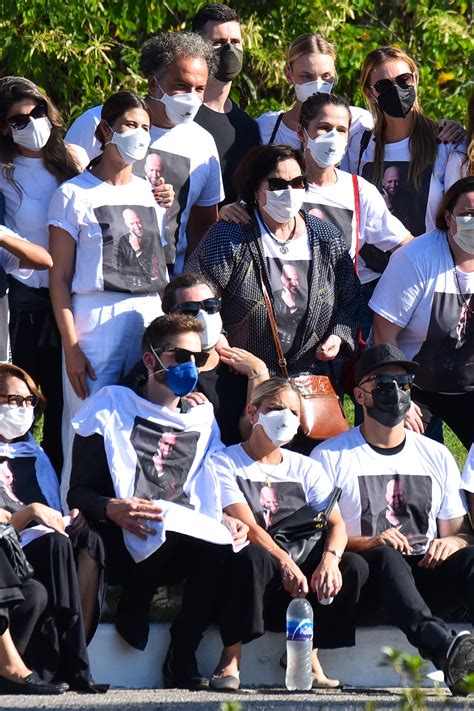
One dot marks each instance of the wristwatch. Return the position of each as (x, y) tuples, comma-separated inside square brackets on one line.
[(335, 552)]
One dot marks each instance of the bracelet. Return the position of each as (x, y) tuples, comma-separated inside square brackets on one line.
[(334, 552), (258, 375), (270, 550)]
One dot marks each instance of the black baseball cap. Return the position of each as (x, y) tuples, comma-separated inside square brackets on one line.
[(381, 355)]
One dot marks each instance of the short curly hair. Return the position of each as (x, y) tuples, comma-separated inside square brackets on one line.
[(162, 328), (161, 51)]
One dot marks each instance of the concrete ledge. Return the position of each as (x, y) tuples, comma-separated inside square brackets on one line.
[(115, 662)]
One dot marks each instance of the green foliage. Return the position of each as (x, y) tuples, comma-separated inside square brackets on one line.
[(231, 706), (412, 671), (80, 53)]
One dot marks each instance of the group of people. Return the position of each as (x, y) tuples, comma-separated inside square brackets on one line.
[(169, 262)]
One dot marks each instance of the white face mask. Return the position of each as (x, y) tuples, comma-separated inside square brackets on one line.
[(280, 426), (132, 145), (15, 421), (180, 108), (328, 149), (282, 205), (212, 328), (35, 135), (319, 86), (464, 236)]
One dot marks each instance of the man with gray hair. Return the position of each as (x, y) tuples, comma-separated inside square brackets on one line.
[(177, 66)]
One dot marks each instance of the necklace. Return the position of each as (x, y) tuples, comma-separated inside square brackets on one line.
[(462, 301), (282, 245), (266, 474)]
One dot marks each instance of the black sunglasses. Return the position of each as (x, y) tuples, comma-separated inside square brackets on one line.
[(182, 355), (21, 121), (384, 381), (15, 401), (192, 308), (403, 81), (298, 183)]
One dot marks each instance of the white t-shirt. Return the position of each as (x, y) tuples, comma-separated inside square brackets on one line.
[(415, 208), (378, 226), (93, 212), (418, 293), (26, 212), (468, 471), (272, 492), (427, 485), (190, 163), (361, 119), (457, 166), (8, 264), (153, 452)]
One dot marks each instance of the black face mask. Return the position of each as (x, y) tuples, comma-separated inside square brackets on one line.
[(397, 102), (230, 60), (389, 406)]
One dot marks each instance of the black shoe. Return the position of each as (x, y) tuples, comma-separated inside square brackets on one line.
[(459, 663), (180, 671), (31, 684)]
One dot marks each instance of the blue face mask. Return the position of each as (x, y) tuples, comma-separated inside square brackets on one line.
[(181, 379)]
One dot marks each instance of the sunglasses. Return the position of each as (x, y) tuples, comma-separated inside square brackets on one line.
[(403, 81), (21, 121), (298, 183), (15, 401), (182, 355), (192, 308), (384, 381)]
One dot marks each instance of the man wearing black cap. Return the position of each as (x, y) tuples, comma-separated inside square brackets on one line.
[(424, 558)]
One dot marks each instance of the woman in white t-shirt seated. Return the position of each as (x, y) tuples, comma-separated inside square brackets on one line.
[(424, 304), (261, 485), (109, 269)]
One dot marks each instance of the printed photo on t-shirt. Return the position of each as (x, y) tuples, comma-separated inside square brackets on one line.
[(446, 357), (133, 259), (402, 198), (340, 217), (164, 457), (400, 501), (174, 169), (289, 281), (271, 502)]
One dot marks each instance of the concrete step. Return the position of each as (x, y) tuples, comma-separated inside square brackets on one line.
[(115, 662)]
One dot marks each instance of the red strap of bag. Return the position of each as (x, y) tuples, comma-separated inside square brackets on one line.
[(355, 186)]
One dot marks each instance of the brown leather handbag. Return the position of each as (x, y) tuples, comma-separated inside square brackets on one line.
[(322, 415)]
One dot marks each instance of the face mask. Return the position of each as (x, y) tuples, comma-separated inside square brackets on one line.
[(319, 86), (464, 236), (389, 407), (35, 135), (181, 379), (280, 426), (212, 328), (15, 421), (180, 108), (230, 60), (282, 205), (397, 102), (132, 145), (328, 149)]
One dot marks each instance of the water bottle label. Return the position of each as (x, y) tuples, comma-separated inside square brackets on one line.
[(299, 630)]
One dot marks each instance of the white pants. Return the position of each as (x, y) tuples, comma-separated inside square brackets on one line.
[(109, 329)]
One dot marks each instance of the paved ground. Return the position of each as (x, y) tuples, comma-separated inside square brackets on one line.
[(251, 700)]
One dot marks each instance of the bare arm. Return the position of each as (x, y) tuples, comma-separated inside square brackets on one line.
[(408, 238), (384, 331), (391, 537), (200, 219), (31, 255), (63, 251), (453, 535)]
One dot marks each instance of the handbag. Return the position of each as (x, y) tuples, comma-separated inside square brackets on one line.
[(299, 533), (322, 415), (10, 543)]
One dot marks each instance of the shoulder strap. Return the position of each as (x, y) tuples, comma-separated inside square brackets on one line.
[(355, 185), (276, 127), (364, 142), (273, 326)]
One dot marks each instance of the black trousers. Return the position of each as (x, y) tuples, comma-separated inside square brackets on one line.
[(180, 558), (455, 410), (253, 598), (411, 595)]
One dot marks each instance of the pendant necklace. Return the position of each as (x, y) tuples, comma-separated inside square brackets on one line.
[(266, 474), (460, 296), (284, 249)]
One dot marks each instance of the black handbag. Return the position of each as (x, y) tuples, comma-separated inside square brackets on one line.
[(10, 542), (299, 533)]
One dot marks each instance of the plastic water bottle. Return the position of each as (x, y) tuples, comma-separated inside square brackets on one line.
[(299, 645)]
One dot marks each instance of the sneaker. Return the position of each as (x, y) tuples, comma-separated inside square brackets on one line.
[(459, 662), (181, 672)]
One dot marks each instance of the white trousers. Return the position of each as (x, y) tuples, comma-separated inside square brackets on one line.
[(109, 328)]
